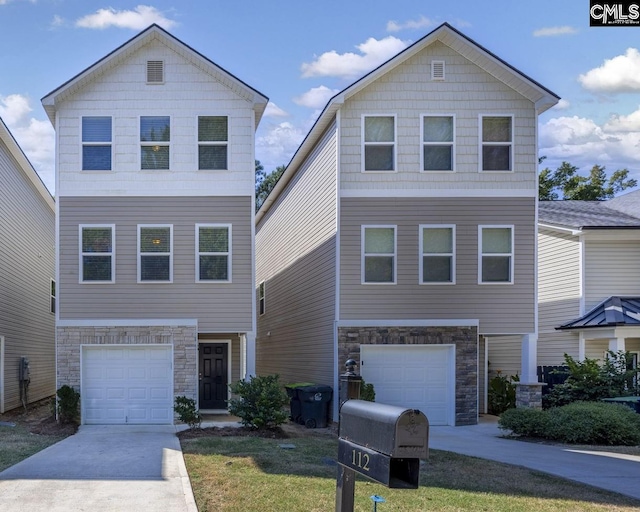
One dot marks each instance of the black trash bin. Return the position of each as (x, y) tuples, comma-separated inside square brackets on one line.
[(295, 404), (314, 401)]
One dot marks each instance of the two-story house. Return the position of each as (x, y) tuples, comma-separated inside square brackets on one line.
[(403, 232), (155, 229), (27, 286)]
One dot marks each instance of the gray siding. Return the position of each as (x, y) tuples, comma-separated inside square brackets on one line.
[(27, 241), (218, 307), (505, 356), (295, 257), (501, 309)]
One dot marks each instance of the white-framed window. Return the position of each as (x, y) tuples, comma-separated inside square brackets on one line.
[(213, 139), (496, 254), (155, 141), (438, 142), (213, 252), (96, 143), (378, 254), (155, 253), (379, 143), (437, 254), (52, 290), (496, 143), (261, 299), (97, 253)]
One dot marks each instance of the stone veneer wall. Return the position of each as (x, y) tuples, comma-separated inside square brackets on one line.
[(183, 338), (465, 340), (529, 395)]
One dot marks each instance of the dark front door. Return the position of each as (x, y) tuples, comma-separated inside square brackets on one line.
[(213, 375)]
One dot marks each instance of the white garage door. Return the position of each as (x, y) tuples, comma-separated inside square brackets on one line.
[(413, 376), (127, 385)]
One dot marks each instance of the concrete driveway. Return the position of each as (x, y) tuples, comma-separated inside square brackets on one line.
[(102, 468)]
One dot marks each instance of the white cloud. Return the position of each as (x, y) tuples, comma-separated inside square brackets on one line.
[(619, 74), (278, 144), (421, 22), (621, 124), (350, 65), (562, 105), (274, 110), (139, 18), (35, 137), (58, 21), (555, 31), (316, 97)]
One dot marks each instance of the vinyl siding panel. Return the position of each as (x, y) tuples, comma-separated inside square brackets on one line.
[(505, 356), (501, 309), (467, 92), (553, 345), (27, 241), (295, 257), (218, 307), (612, 268)]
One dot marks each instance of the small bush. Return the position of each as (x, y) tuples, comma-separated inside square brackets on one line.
[(186, 410), (367, 391), (68, 402), (260, 402), (576, 423), (502, 393)]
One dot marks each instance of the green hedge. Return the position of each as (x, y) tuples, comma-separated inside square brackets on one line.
[(577, 423)]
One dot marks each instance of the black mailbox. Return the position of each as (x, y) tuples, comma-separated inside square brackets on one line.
[(383, 442)]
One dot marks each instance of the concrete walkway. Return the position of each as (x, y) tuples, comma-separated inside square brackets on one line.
[(102, 469), (607, 470)]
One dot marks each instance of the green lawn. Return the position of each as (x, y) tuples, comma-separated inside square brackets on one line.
[(17, 443), (248, 474)]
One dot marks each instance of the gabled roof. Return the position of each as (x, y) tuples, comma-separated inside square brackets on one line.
[(586, 215), (542, 97), (614, 311), (24, 164), (153, 32)]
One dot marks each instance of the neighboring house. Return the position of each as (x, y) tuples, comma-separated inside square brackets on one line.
[(155, 185), (27, 286), (403, 232)]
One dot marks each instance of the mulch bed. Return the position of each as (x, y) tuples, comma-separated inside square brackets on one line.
[(38, 419)]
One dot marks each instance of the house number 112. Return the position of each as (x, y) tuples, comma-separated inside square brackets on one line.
[(360, 460)]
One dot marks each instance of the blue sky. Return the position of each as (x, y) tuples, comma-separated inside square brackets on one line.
[(299, 53)]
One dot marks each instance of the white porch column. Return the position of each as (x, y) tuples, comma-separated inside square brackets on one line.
[(582, 347), (528, 373), (616, 344), (250, 361)]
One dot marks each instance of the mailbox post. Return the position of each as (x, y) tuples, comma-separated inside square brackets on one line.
[(382, 442)]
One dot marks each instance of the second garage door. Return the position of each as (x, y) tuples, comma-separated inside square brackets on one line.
[(127, 384), (413, 376)]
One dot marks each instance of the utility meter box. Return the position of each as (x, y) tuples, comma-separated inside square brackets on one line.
[(383, 442)]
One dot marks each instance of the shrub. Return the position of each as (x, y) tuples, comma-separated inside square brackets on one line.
[(260, 402), (525, 421), (67, 404), (186, 410), (502, 393), (367, 391)]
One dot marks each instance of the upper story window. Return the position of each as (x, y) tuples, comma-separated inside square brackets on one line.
[(496, 254), (97, 253), (213, 138), (155, 253), (379, 254), (379, 140), (155, 138), (96, 143), (213, 252), (437, 262), (261, 299), (438, 135), (497, 143)]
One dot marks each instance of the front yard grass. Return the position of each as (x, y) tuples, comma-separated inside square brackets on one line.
[(252, 474), (17, 443)]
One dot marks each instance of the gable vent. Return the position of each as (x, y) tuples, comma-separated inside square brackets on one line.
[(155, 72), (437, 70)]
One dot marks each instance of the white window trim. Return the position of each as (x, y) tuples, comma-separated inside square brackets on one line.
[(140, 254), (511, 143), (423, 144), (511, 255), (83, 143), (169, 144), (228, 254), (81, 254), (421, 228), (395, 143), (262, 298), (212, 142), (363, 228)]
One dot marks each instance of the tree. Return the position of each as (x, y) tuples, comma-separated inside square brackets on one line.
[(597, 186), (266, 182)]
